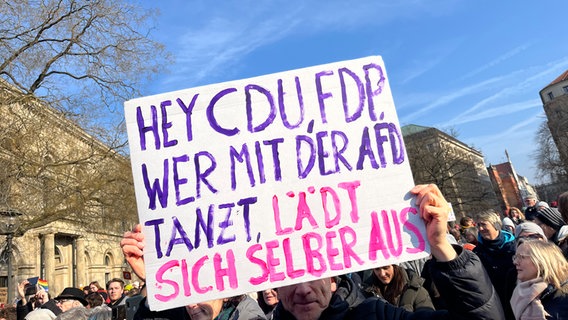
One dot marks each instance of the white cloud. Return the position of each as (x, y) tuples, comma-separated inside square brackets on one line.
[(497, 112), (448, 98), (213, 41), (497, 61), (528, 81)]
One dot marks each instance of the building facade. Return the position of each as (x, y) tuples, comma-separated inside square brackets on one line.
[(555, 103), (457, 169), (511, 188), (75, 195)]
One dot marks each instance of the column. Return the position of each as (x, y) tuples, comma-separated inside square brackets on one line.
[(81, 267), (49, 261)]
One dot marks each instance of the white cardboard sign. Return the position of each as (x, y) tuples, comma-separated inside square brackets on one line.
[(270, 181)]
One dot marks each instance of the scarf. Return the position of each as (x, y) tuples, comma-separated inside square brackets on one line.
[(525, 300)]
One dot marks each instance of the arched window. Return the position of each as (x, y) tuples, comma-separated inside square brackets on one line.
[(108, 265), (57, 256)]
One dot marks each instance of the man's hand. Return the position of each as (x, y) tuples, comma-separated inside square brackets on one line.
[(22, 291), (132, 245), (434, 210)]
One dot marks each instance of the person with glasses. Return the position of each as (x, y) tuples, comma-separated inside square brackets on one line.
[(542, 276), (71, 298), (529, 230), (524, 232), (457, 273)]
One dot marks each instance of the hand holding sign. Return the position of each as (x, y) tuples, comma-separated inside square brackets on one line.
[(434, 210), (269, 181), (132, 245)]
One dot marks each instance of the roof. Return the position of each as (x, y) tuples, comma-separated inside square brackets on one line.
[(562, 77), (412, 129)]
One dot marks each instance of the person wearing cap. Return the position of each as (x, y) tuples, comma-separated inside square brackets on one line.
[(530, 210), (554, 227), (71, 298)]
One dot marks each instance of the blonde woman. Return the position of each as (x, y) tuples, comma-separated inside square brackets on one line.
[(542, 281)]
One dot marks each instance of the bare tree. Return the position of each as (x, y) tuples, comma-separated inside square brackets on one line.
[(548, 159), (459, 171), (66, 66), (82, 57), (51, 170)]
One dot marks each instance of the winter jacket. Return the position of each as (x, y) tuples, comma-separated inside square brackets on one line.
[(343, 301), (555, 302), (561, 240), (23, 310), (247, 309), (413, 297), (463, 282), (497, 258), (530, 213)]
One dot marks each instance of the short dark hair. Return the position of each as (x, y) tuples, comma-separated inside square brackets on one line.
[(115, 280)]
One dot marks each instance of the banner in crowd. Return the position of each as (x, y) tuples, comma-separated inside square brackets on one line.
[(270, 181)]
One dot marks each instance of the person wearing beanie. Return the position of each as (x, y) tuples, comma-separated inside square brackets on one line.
[(529, 229), (554, 227), (508, 225), (541, 205)]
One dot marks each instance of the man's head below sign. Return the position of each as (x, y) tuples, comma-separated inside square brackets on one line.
[(462, 282)]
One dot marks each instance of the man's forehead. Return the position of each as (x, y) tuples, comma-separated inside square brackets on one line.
[(316, 282)]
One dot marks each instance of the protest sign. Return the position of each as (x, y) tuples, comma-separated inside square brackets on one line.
[(270, 181)]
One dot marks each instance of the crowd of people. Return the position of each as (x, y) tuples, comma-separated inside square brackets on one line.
[(90, 302), (489, 266)]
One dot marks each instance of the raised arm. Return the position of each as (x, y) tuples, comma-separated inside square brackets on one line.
[(434, 210), (132, 245)]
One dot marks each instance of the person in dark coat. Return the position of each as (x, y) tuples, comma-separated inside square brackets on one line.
[(530, 210), (458, 274), (399, 287), (495, 249)]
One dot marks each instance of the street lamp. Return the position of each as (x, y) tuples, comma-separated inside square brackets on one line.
[(9, 224)]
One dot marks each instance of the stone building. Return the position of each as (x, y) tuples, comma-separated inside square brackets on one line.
[(458, 169), (74, 192), (555, 103)]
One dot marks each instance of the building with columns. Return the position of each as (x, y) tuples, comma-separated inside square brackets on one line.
[(74, 192), (66, 255)]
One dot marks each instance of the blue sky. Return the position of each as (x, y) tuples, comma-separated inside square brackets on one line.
[(474, 65)]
